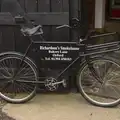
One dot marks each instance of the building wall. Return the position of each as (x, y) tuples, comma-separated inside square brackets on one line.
[(91, 13)]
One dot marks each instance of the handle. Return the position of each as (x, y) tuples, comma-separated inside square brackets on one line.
[(63, 26), (102, 35), (86, 37), (89, 34)]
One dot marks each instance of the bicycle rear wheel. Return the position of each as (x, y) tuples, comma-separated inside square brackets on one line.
[(17, 88), (104, 91)]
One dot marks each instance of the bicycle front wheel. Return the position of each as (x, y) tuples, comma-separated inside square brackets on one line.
[(103, 91), (16, 78)]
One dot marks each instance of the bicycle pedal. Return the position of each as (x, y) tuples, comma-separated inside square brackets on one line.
[(64, 83)]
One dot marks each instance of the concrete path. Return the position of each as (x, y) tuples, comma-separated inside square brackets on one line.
[(60, 107)]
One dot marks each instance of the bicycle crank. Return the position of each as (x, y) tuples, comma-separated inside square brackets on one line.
[(52, 84)]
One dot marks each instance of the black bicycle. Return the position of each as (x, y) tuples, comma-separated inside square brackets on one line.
[(97, 73)]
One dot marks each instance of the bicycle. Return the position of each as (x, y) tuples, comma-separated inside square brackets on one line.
[(97, 73)]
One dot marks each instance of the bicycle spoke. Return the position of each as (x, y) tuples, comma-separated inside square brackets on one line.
[(7, 65), (5, 87), (21, 69), (14, 89), (111, 72), (106, 93), (116, 93), (10, 72), (5, 70), (25, 87), (12, 63)]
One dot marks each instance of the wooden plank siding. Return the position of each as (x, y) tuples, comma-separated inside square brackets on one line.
[(48, 13)]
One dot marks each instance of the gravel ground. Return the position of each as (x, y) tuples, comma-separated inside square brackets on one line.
[(3, 116)]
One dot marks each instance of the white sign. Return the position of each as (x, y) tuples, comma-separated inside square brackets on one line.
[(58, 52)]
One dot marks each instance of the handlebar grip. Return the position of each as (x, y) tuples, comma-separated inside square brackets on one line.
[(62, 26), (89, 34)]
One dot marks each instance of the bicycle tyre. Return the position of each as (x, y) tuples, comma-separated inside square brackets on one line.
[(32, 67), (86, 89)]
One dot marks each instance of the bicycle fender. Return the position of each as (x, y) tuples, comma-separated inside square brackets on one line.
[(17, 53)]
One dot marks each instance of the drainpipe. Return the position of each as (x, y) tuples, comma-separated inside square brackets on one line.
[(99, 15)]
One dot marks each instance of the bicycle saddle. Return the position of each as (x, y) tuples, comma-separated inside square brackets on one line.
[(32, 31)]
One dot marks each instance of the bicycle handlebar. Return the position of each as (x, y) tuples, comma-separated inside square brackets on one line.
[(75, 23), (88, 36), (102, 35)]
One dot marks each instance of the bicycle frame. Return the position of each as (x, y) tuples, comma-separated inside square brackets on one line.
[(83, 51), (46, 43)]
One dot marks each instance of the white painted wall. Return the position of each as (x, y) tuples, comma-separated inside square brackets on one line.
[(99, 13)]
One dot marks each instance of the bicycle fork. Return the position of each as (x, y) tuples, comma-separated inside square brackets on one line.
[(93, 71)]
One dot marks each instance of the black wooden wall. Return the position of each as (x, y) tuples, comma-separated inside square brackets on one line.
[(49, 13)]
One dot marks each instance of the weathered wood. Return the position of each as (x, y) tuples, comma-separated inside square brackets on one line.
[(31, 5), (49, 13), (44, 6), (55, 18), (7, 41)]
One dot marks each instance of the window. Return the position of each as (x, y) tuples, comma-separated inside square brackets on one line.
[(115, 3), (114, 9)]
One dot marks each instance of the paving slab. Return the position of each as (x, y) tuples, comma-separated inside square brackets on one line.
[(60, 107)]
